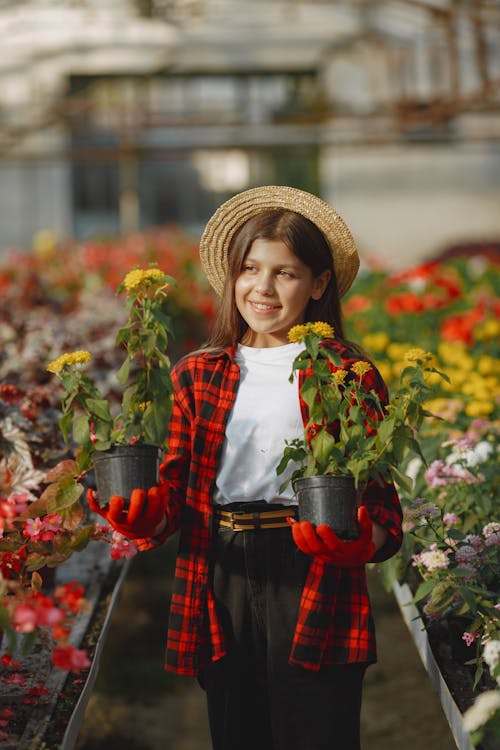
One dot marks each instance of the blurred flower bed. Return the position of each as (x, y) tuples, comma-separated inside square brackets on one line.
[(450, 555), (57, 298), (60, 297)]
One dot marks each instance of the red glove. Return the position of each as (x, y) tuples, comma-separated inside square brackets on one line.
[(322, 542), (144, 515)]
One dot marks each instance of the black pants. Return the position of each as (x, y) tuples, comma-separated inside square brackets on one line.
[(256, 699)]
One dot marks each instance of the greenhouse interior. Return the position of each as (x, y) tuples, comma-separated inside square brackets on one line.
[(124, 126)]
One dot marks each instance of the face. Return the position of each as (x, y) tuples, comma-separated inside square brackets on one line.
[(272, 292)]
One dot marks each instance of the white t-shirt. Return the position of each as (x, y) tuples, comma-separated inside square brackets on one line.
[(265, 414)]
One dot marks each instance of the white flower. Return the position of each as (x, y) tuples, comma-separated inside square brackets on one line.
[(491, 528), (433, 558), (491, 654), (413, 468), (486, 704)]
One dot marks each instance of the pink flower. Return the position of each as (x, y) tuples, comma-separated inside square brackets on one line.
[(33, 528), (36, 611), (93, 436), (493, 540), (439, 474), (475, 541), (70, 659), (432, 559), (122, 547), (469, 638), (52, 522), (10, 508), (450, 519), (24, 619)]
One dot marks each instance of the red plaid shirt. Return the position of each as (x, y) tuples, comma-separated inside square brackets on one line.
[(334, 623)]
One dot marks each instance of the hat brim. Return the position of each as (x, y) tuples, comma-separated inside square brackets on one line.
[(231, 215)]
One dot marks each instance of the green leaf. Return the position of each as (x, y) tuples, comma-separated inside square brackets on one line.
[(424, 590), (311, 342), (322, 445), (100, 408), (333, 356), (402, 480), (385, 430), (62, 496), (65, 423), (155, 423), (123, 373), (309, 390), (468, 598), (63, 469), (81, 431)]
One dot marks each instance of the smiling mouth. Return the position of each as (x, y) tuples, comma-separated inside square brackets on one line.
[(263, 307)]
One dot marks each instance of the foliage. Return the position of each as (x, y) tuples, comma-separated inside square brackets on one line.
[(451, 521), (52, 300), (144, 375), (350, 432)]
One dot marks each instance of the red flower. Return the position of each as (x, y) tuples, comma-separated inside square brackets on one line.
[(461, 327), (357, 303), (70, 659), (408, 302), (8, 661), (11, 562), (70, 596)]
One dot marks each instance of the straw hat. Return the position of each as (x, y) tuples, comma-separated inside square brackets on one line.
[(216, 239)]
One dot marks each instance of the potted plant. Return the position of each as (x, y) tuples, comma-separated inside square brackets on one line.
[(122, 445), (351, 437)]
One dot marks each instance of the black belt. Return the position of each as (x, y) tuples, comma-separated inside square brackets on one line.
[(265, 519)]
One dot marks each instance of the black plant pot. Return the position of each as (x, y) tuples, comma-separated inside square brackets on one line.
[(329, 499), (124, 468)]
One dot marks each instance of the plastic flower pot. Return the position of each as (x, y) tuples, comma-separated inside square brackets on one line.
[(330, 499), (124, 468)]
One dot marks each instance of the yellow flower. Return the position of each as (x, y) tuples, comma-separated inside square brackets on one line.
[(445, 408), (385, 370), (376, 342), (297, 334), (432, 378), (325, 330), (417, 355), (144, 405), (139, 276), (361, 367), (479, 408), (397, 351), (452, 352), (68, 360), (490, 329), (339, 376), (487, 365)]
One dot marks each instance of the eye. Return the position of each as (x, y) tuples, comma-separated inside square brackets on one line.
[(248, 267), (285, 274)]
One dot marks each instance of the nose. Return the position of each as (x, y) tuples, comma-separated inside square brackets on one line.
[(264, 283)]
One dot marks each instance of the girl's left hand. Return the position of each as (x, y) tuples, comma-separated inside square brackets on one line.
[(322, 542)]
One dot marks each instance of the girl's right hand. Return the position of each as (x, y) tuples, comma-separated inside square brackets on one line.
[(145, 516)]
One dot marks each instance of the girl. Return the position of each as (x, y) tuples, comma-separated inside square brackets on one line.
[(271, 614)]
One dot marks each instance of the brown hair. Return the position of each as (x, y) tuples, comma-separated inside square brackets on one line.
[(306, 242)]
